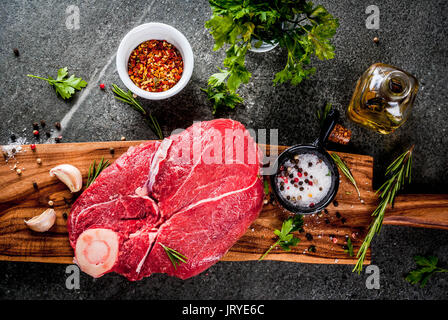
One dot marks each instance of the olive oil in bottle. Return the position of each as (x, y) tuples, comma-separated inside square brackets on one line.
[(383, 98)]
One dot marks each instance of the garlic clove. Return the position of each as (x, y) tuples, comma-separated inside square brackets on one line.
[(68, 174), (42, 222)]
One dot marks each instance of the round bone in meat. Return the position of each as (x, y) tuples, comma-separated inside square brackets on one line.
[(97, 251)]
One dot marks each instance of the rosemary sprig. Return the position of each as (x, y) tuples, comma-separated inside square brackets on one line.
[(345, 170), (94, 170), (399, 171), (322, 114), (128, 98), (175, 257)]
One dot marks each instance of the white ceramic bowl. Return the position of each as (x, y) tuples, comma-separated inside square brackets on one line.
[(154, 31)]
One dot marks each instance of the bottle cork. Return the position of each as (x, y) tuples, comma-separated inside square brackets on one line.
[(340, 135)]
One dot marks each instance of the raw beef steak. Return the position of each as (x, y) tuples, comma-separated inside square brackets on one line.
[(195, 192)]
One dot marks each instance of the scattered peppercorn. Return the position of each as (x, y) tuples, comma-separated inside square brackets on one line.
[(18, 171), (36, 133), (16, 52), (35, 186), (39, 160), (58, 139), (343, 220), (13, 137), (327, 221), (309, 236), (111, 150), (326, 211), (338, 215), (42, 123), (35, 126), (312, 248), (335, 203), (57, 125), (33, 147), (65, 216), (48, 134), (376, 40), (50, 203), (123, 138)]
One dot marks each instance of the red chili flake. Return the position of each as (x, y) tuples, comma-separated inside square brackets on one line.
[(33, 146), (102, 86), (155, 65)]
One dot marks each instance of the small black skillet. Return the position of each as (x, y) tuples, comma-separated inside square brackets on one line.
[(316, 148)]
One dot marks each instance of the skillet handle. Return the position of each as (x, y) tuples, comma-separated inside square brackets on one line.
[(329, 123)]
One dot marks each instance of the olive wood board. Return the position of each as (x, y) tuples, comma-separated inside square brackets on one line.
[(326, 231)]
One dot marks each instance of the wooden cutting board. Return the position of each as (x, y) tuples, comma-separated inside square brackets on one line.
[(348, 216)]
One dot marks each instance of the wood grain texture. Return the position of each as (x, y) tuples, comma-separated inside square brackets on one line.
[(20, 201)]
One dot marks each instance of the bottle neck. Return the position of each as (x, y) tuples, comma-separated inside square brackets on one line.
[(396, 85)]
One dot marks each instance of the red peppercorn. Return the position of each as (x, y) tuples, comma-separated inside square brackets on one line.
[(296, 179), (102, 86), (299, 174), (33, 147), (36, 132), (310, 183)]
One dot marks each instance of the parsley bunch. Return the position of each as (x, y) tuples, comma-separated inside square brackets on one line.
[(300, 27), (64, 86)]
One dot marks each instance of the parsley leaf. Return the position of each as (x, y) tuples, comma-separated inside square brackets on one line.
[(299, 27), (428, 266), (286, 238), (65, 87)]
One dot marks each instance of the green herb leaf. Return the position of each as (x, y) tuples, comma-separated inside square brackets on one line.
[(349, 249), (397, 172), (286, 239), (127, 97), (94, 170), (175, 257), (299, 27), (64, 87), (345, 170), (427, 267)]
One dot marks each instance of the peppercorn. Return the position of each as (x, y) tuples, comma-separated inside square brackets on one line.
[(327, 221), (376, 40), (312, 205), (35, 186), (35, 126), (33, 147), (16, 52), (309, 236), (123, 138), (335, 203), (50, 203), (42, 123), (57, 125), (36, 133), (312, 248), (58, 139), (65, 216), (48, 134), (310, 164), (39, 160), (343, 220), (111, 150), (18, 171), (13, 137), (102, 86), (338, 215), (325, 211)]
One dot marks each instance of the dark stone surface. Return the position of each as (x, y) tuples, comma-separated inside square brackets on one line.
[(413, 36)]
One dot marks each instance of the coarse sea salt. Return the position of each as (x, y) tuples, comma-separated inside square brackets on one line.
[(304, 180)]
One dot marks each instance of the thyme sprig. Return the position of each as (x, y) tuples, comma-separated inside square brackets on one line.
[(175, 257), (345, 170), (127, 97), (398, 172), (94, 170)]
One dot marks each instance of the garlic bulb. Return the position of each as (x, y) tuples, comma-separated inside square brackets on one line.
[(42, 222), (68, 174)]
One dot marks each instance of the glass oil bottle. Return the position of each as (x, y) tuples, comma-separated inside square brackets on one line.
[(383, 98)]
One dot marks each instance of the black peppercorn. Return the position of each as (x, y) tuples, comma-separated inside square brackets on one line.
[(48, 134), (16, 52), (111, 150), (338, 215), (65, 216), (335, 203), (327, 221), (42, 123), (312, 248), (35, 126), (13, 137), (343, 220), (57, 125), (309, 236), (35, 186)]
